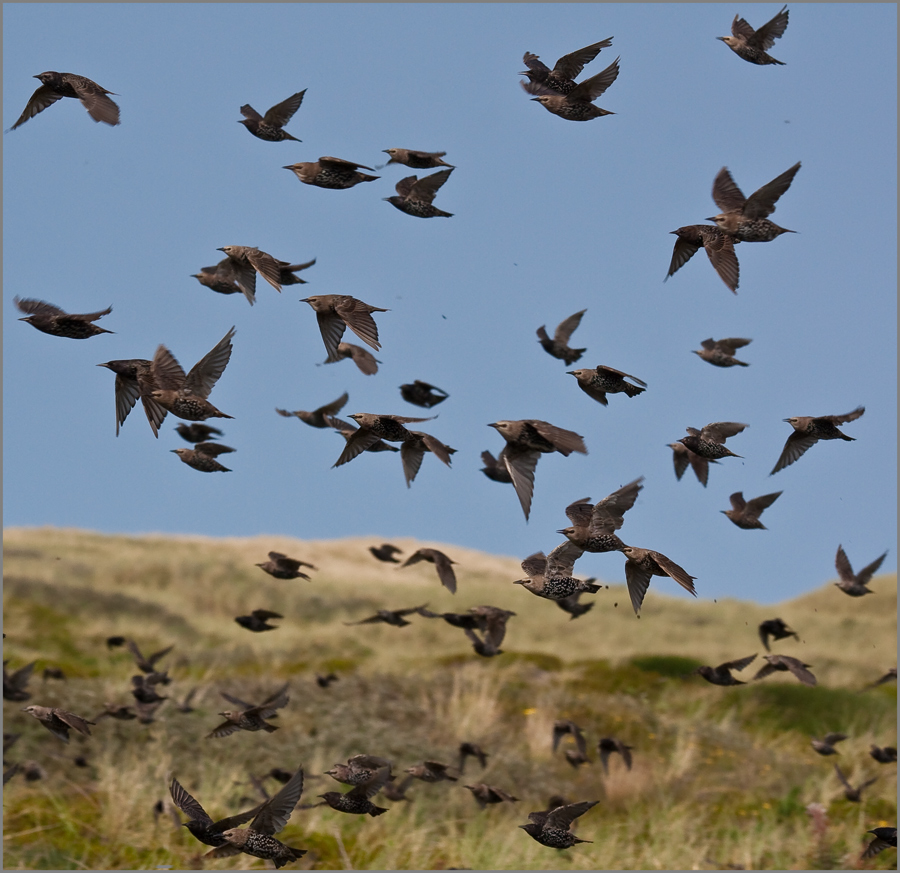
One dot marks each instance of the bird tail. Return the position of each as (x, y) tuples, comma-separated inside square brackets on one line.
[(377, 810)]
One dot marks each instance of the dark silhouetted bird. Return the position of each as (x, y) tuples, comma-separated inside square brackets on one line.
[(682, 456), (552, 828), (719, 247), (641, 564), (471, 750), (148, 664), (204, 459), (551, 576), (744, 218), (721, 675), (808, 430), (15, 685), (709, 442), (257, 621), (571, 605), (200, 824), (336, 312), (491, 622), (348, 431), (357, 801), (750, 44), (853, 794), (777, 629), (282, 567), (558, 347), (244, 262), (577, 104), (602, 380), (53, 673), (269, 126), (495, 468), (325, 681), (825, 746), (720, 353), (421, 393), (442, 563), (250, 717), (372, 428), (431, 771), (413, 451), (606, 746), (359, 769), (562, 77), (55, 86), (48, 318), (415, 196), (393, 617), (133, 380), (385, 552), (59, 721), (885, 838), (330, 172), (565, 727), (485, 794), (785, 663), (593, 526), (197, 433), (852, 583), (886, 755), (318, 417), (364, 360), (415, 159), (745, 513)]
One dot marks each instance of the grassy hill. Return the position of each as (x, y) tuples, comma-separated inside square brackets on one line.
[(721, 775)]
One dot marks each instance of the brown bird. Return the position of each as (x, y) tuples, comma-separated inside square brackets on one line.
[(721, 675), (330, 172), (148, 664), (244, 262), (491, 622), (562, 77), (336, 312), (744, 218), (884, 838), (709, 442), (526, 439), (397, 791), (558, 347), (250, 717), (325, 681), (777, 629), (269, 126), (886, 755), (852, 583), (825, 746), (197, 433), (485, 794), (417, 160), (421, 393), (258, 839), (373, 427), (641, 564), (495, 468), (318, 417), (55, 86), (750, 44), (607, 746), (415, 196), (48, 318), (431, 771), (471, 750), (853, 794), (785, 663), (571, 605), (682, 456), (602, 380), (348, 431), (359, 769), (133, 380), (203, 457), (144, 687), (563, 727), (393, 617), (551, 576), (413, 451), (385, 552), (15, 685), (719, 248), (745, 513), (593, 526), (364, 360), (357, 801), (59, 721), (720, 353), (200, 823), (282, 567), (185, 395), (257, 621), (441, 562), (552, 828), (577, 104), (808, 430)]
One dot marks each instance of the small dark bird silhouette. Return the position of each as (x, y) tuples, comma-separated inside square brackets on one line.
[(485, 794), (552, 828), (413, 450), (744, 218), (890, 676), (53, 673), (365, 361), (777, 629), (431, 771), (721, 675), (55, 86), (133, 380), (199, 823), (415, 159), (491, 622), (185, 705), (593, 526), (709, 442), (357, 801), (282, 567), (250, 717), (641, 564), (325, 681), (785, 663), (602, 380), (318, 417), (562, 77), (885, 838), (750, 44), (415, 196), (571, 605), (682, 456), (825, 746), (203, 457), (853, 794), (385, 552), (148, 664), (48, 318), (855, 584), (336, 312), (359, 769), (719, 248), (607, 746), (471, 750), (495, 468), (393, 617), (565, 727), (886, 755), (15, 685), (808, 430), (397, 791), (577, 104), (421, 393), (745, 513), (244, 262), (442, 563), (115, 642), (558, 347), (720, 353), (269, 126), (59, 721), (257, 621), (197, 433), (551, 576), (330, 172)]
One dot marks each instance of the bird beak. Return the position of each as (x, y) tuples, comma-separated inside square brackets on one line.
[(783, 419), (386, 151), (385, 198), (220, 250), (287, 168), (561, 532), (520, 582), (536, 100), (711, 218), (304, 299), (490, 425), (721, 38)]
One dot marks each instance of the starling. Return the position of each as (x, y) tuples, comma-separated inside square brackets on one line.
[(115, 642), (221, 279), (385, 552), (808, 430), (825, 746), (682, 456), (415, 196), (336, 312), (318, 417), (744, 218), (347, 431), (357, 801), (577, 104), (491, 621), (559, 347), (244, 262), (785, 663), (564, 726), (373, 427), (146, 665), (420, 393), (551, 576), (258, 840), (229, 277), (325, 681), (55, 86), (287, 271), (601, 380), (15, 685), (884, 838), (413, 451), (431, 771), (393, 791), (393, 617), (561, 78), (721, 675), (495, 468), (720, 353), (48, 318), (185, 396), (719, 247), (471, 750), (593, 526), (571, 605), (575, 757), (607, 746), (853, 794), (282, 567), (146, 711), (257, 621), (118, 711), (552, 828), (709, 442), (59, 721), (197, 433), (143, 687), (745, 513), (485, 794), (750, 44), (330, 173), (887, 755), (359, 769), (525, 441), (417, 160), (852, 583), (269, 126), (364, 359), (441, 562), (250, 717), (641, 564), (133, 380), (203, 461), (777, 629)]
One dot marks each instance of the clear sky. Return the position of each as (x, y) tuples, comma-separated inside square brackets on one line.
[(551, 217)]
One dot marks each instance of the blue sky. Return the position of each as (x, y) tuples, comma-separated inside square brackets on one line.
[(550, 217)]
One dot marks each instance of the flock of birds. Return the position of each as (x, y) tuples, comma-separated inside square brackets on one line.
[(163, 387)]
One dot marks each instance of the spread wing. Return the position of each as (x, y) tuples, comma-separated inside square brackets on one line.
[(520, 464), (187, 804), (274, 814), (281, 113), (591, 89), (567, 326), (206, 372), (572, 64), (426, 188), (765, 37), (563, 816), (762, 201), (867, 572), (726, 194)]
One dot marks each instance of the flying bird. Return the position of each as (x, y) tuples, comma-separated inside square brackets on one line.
[(720, 353), (593, 526), (853, 794), (485, 794), (251, 717), (358, 769), (385, 552), (420, 393), (719, 248), (606, 746), (336, 312), (744, 218), (365, 361), (577, 104), (441, 562), (244, 262), (133, 381), (825, 746), (282, 567), (146, 664), (200, 823), (55, 86), (196, 432), (59, 721), (552, 828), (558, 347), (709, 442), (15, 685), (785, 663), (393, 617), (561, 78), (721, 675), (48, 318), (203, 457), (808, 430), (415, 196), (852, 583), (257, 621), (374, 427), (641, 564), (752, 45), (682, 456), (885, 838), (269, 126), (471, 750), (745, 513), (431, 771), (318, 417), (886, 755), (551, 576), (357, 801), (777, 629), (417, 160), (330, 172), (602, 380)]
